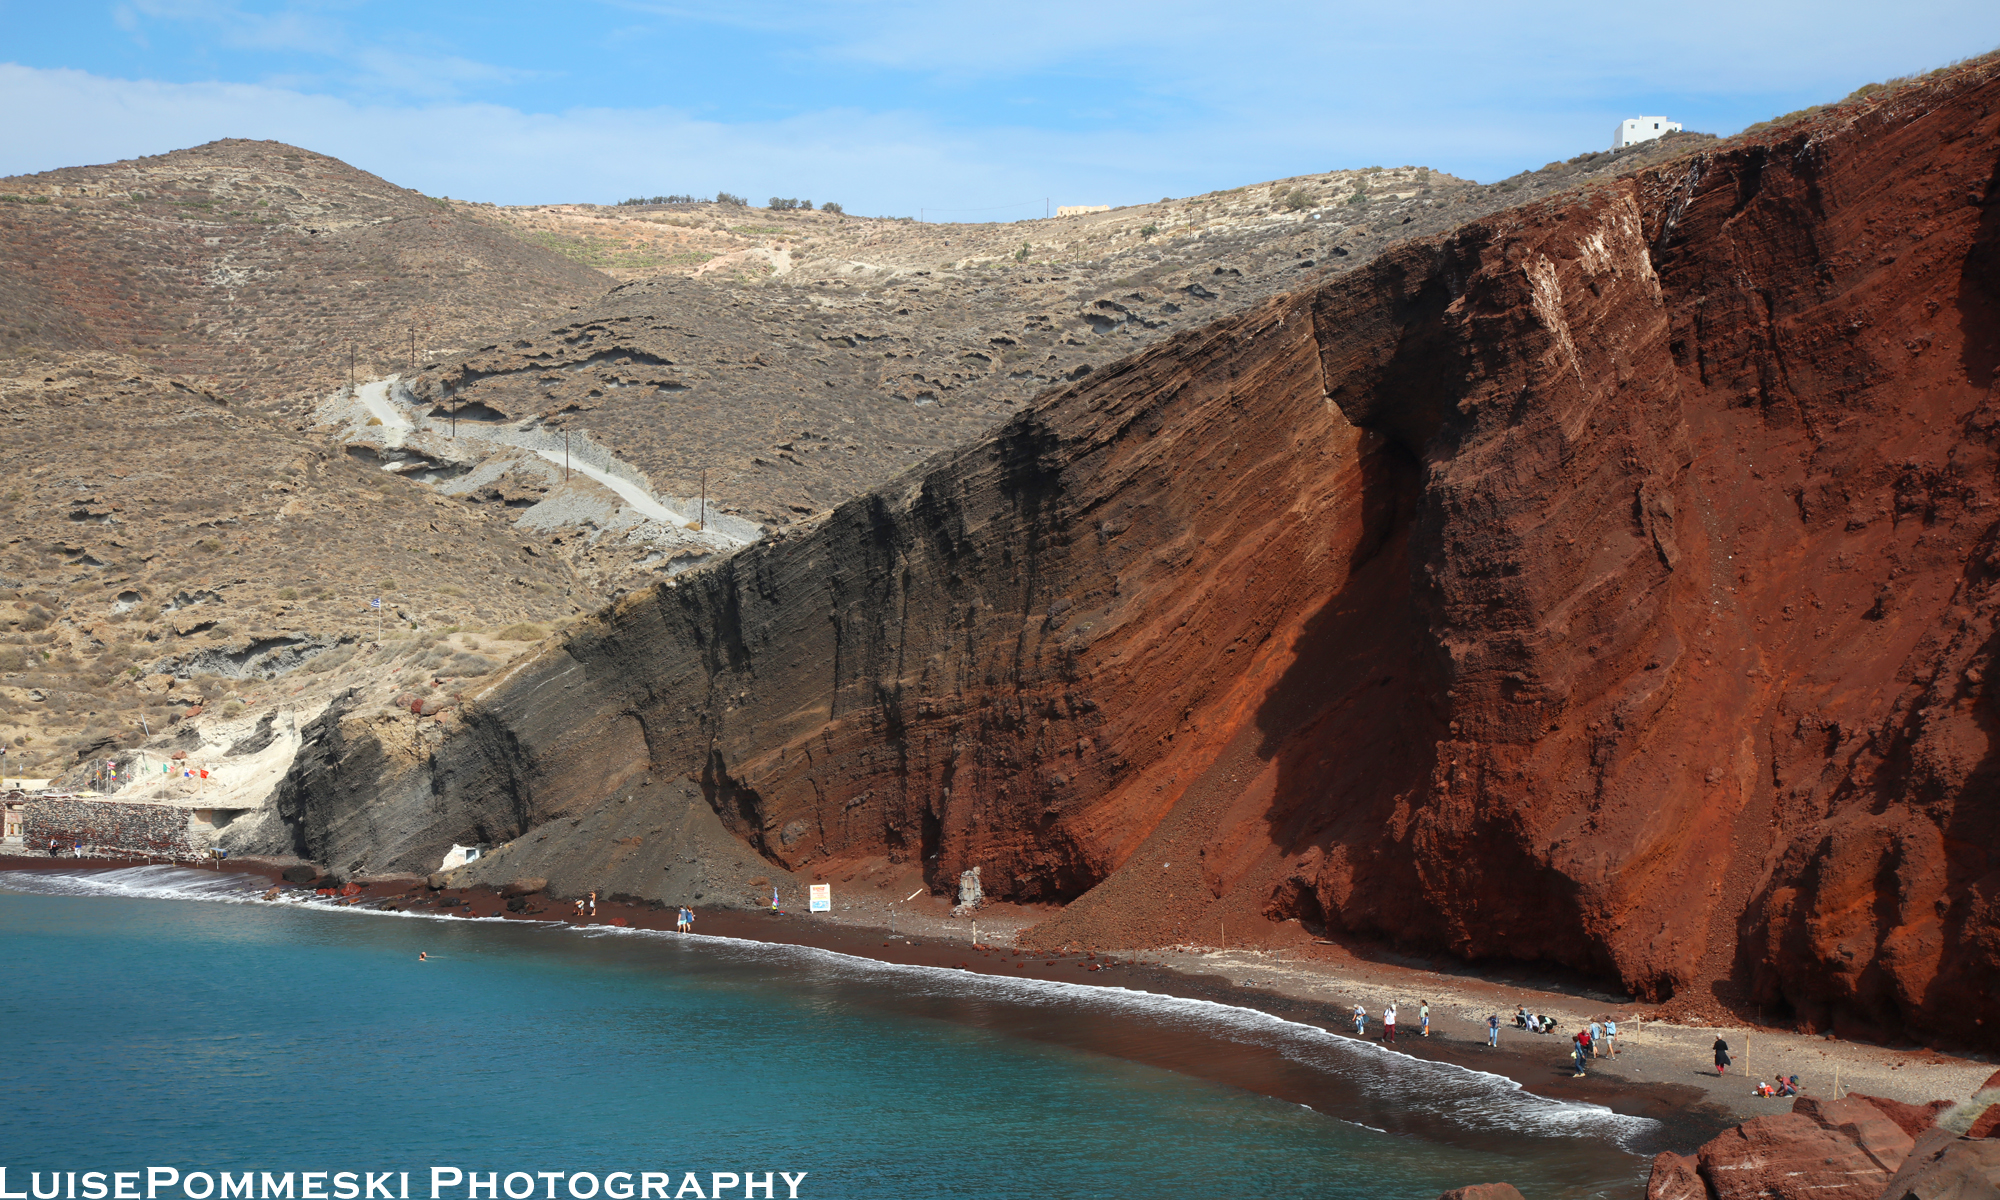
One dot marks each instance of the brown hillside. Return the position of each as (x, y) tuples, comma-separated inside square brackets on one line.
[(815, 355), (165, 548), (1610, 582), (252, 266)]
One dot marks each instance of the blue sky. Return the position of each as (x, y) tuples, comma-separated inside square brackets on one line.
[(967, 111)]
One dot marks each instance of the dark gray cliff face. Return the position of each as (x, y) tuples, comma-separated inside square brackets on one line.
[(913, 675)]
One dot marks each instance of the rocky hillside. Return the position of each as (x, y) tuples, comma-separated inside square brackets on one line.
[(252, 267), (1607, 582), (704, 239), (165, 550), (800, 357)]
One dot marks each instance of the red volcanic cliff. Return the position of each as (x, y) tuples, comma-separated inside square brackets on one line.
[(1608, 582)]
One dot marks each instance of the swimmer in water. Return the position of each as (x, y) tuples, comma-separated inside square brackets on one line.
[(422, 957)]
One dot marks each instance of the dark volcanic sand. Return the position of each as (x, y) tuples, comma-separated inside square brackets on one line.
[(1690, 1118)]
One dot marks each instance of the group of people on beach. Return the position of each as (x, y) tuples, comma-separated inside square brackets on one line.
[(1389, 1021), (586, 907), (684, 920)]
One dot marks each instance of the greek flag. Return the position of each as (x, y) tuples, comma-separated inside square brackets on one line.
[(375, 603)]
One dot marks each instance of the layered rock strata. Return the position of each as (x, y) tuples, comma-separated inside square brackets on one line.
[(1606, 583)]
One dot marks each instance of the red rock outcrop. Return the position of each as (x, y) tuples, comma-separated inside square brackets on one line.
[(1857, 1148), (1608, 582), (1943, 1167)]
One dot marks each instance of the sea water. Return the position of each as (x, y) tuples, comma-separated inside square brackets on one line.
[(162, 1017)]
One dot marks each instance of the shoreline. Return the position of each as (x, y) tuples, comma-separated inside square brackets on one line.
[(1662, 1071)]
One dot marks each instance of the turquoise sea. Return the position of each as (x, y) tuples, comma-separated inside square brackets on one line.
[(157, 1017)]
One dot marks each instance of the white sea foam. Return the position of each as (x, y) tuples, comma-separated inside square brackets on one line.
[(148, 883), (1479, 1100), (1472, 1098)]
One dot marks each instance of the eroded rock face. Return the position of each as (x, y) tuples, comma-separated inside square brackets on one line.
[(1607, 582)]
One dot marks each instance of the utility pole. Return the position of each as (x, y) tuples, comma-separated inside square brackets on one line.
[(1045, 207), (350, 364)]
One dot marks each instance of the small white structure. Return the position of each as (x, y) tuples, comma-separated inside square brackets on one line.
[(459, 856), (1642, 129), (1077, 210)]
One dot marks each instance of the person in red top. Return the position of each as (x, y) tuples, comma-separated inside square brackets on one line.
[(1582, 1050)]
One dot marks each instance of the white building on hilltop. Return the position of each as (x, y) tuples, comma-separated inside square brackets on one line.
[(1642, 129)]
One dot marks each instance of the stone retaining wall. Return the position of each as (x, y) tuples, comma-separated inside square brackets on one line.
[(153, 829)]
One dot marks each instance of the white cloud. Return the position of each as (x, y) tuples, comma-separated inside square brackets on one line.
[(890, 162), (482, 151), (1169, 99)]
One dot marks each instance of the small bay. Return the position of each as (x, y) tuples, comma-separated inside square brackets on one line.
[(163, 1017)]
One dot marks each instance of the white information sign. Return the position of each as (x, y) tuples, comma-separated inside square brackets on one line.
[(822, 897)]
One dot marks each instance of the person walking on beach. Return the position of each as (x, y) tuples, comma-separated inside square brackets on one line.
[(1360, 1021), (1721, 1057), (1582, 1045), (1596, 1034), (1493, 1030), (593, 906), (1389, 1024), (1611, 1036), (1424, 1016)]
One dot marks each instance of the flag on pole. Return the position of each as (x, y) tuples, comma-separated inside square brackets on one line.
[(375, 603)]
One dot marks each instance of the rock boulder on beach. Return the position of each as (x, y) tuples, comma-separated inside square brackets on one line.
[(1856, 1148), (1945, 1167), (525, 886), (1789, 1156), (1483, 1191)]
